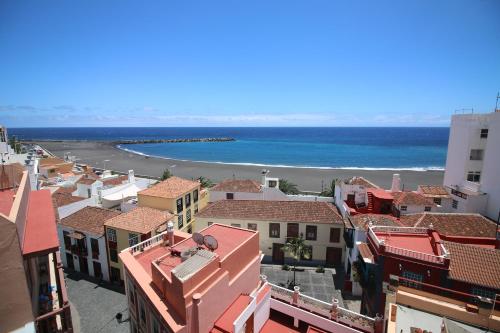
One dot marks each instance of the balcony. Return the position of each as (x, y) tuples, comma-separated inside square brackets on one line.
[(148, 243)]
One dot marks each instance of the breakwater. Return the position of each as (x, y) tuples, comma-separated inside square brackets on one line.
[(131, 142)]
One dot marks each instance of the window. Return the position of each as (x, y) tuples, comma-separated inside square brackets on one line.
[(195, 195), (180, 221), (237, 225), (484, 133), (427, 208), (454, 204), (133, 239), (131, 293), (142, 311), (252, 226), (274, 230), (179, 205), (229, 196), (196, 209), (311, 232), (111, 235), (474, 176), (412, 276), (476, 154), (292, 230), (437, 201), (67, 240), (113, 255), (483, 293), (272, 183), (210, 223), (188, 200), (334, 235), (308, 255), (94, 245), (404, 208), (188, 215)]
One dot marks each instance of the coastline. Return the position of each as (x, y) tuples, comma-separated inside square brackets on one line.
[(307, 178)]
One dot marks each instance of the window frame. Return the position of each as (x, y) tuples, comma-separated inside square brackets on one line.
[(111, 234), (229, 196), (427, 208), (251, 225), (484, 133), (195, 196), (474, 176), (333, 232), (179, 205), (236, 225), (188, 215), (476, 154), (290, 233), (94, 249), (454, 204), (276, 227), (180, 221), (133, 239), (312, 229), (187, 200), (403, 208), (437, 201), (113, 255)]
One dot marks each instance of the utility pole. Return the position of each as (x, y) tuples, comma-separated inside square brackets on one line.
[(496, 105)]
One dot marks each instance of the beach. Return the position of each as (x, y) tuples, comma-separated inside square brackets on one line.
[(94, 153)]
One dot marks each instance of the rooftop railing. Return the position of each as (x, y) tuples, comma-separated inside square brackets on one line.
[(140, 247), (324, 309)]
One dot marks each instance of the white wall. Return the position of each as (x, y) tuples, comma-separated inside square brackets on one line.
[(271, 194), (413, 209), (67, 210)]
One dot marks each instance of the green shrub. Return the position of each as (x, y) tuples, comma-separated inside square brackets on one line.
[(285, 267), (320, 269)]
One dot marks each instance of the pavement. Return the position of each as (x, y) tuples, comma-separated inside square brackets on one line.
[(317, 285), (94, 305)]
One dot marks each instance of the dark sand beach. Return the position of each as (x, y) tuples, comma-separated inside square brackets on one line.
[(308, 179)]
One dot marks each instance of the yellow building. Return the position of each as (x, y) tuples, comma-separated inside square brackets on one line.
[(318, 223), (128, 229), (182, 197)]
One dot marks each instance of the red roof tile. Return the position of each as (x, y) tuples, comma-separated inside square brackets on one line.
[(63, 197), (433, 191), (10, 175), (171, 188), (411, 198), (89, 219), (280, 211), (474, 265), (361, 181), (362, 221), (40, 232), (238, 185)]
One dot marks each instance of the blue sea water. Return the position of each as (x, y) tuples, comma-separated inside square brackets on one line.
[(329, 147)]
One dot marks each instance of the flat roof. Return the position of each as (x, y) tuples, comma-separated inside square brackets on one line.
[(40, 233), (380, 193), (6, 201), (226, 320), (415, 242)]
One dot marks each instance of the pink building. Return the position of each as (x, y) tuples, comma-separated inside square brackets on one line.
[(174, 284)]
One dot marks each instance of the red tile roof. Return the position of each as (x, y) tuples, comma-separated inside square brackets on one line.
[(6, 201), (40, 234), (63, 197), (238, 185), (362, 221), (140, 219), (89, 219), (361, 181), (280, 211), (411, 198), (474, 265), (450, 224), (115, 181), (434, 191), (171, 188), (10, 175)]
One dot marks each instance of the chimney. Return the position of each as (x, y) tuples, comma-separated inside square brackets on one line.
[(264, 173), (131, 177), (396, 183), (170, 233)]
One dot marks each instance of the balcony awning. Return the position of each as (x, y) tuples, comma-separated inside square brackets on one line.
[(76, 235)]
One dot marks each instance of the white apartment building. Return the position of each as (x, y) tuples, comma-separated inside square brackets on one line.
[(472, 173)]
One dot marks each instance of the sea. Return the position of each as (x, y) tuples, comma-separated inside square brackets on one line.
[(370, 148)]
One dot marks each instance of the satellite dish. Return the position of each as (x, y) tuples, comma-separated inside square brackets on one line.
[(198, 239), (210, 242)]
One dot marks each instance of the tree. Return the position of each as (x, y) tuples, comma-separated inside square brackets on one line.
[(329, 192), (166, 174), (298, 248), (205, 182), (288, 187)]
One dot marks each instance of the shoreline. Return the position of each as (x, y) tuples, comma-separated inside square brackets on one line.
[(307, 178)]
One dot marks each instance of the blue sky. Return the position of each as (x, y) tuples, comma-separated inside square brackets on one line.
[(246, 63)]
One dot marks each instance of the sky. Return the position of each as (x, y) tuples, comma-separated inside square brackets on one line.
[(246, 63)]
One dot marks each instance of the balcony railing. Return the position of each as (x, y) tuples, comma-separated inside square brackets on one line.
[(140, 247), (324, 309)]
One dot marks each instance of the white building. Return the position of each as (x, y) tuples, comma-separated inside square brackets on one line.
[(473, 163), (82, 241)]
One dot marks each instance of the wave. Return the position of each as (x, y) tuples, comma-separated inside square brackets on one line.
[(420, 169)]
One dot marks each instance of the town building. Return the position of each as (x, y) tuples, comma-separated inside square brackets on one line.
[(471, 175), (319, 223), (67, 203), (33, 293), (128, 229), (53, 166), (439, 195), (244, 189), (422, 256), (351, 194), (176, 284), (409, 202), (181, 197), (82, 241)]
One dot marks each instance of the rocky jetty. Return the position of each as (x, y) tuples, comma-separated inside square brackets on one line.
[(131, 142)]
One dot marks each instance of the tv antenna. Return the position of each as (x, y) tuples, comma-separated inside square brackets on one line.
[(198, 239), (210, 242)]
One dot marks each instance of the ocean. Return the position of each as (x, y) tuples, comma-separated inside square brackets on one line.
[(394, 148)]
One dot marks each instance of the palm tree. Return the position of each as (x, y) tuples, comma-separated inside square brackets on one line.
[(288, 187), (298, 248), (330, 192), (205, 182), (166, 174)]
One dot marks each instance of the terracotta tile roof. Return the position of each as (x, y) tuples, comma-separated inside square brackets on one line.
[(412, 198), (63, 197), (171, 188), (51, 161), (89, 219), (140, 219), (361, 221), (365, 252), (280, 211), (361, 181), (87, 180), (10, 175), (450, 224), (238, 185), (433, 191), (475, 265), (115, 181)]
